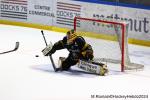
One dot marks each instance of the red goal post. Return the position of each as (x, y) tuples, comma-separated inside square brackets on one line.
[(124, 59)]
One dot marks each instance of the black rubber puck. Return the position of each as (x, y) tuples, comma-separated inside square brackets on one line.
[(36, 55)]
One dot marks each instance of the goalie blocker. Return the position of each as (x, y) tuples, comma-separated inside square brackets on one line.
[(47, 49)]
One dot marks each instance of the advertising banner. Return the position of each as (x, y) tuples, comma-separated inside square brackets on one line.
[(65, 12), (14, 10), (41, 11)]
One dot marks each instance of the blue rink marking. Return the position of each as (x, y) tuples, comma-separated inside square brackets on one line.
[(116, 4)]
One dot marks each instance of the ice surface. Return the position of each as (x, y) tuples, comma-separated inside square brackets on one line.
[(26, 77)]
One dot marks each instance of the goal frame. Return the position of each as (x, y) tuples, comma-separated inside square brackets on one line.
[(123, 29)]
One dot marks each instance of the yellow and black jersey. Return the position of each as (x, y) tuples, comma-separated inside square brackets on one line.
[(78, 45)]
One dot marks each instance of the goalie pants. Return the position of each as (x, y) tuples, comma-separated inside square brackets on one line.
[(73, 59)]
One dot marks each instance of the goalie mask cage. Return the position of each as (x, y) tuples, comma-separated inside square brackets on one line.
[(111, 44)]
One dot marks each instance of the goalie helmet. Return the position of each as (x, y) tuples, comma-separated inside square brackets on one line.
[(71, 35)]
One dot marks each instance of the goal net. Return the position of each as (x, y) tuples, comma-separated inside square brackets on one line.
[(110, 43)]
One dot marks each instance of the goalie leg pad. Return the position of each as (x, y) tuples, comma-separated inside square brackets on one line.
[(61, 59), (97, 68)]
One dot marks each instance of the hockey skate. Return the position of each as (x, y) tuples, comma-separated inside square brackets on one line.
[(103, 70)]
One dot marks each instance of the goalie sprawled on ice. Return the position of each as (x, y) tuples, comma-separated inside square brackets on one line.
[(79, 52)]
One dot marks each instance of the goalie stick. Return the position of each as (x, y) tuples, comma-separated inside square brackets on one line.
[(51, 58), (16, 47)]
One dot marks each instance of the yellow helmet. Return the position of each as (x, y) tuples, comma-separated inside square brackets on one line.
[(71, 35)]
